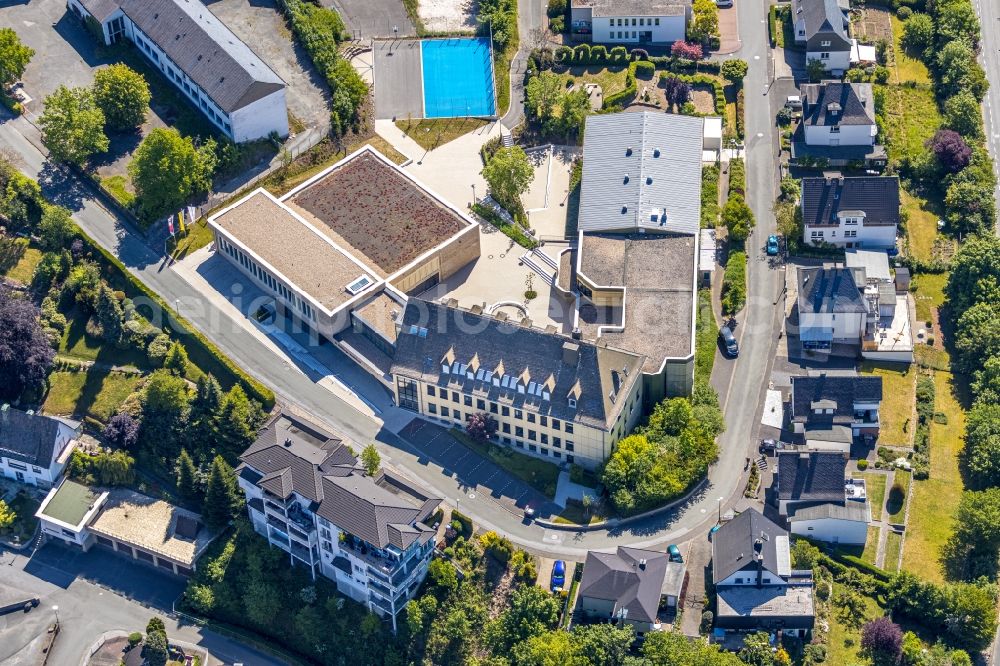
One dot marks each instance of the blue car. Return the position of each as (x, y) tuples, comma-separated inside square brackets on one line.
[(674, 553), (772, 246), (558, 576)]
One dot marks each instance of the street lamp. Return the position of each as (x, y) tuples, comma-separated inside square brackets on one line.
[(55, 609), (720, 509)]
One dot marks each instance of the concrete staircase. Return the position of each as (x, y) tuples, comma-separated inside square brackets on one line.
[(542, 264)]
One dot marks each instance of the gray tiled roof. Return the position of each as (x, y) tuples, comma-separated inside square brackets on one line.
[(855, 103), (733, 545), (822, 16), (28, 438), (829, 290), (101, 10), (470, 338), (853, 511), (621, 578), (817, 476), (291, 455), (660, 154), (875, 196), (206, 50), (844, 391)]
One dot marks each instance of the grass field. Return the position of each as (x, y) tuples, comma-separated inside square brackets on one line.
[(921, 225), (893, 542), (574, 514), (932, 509), (433, 132), (928, 293), (896, 415), (912, 118), (871, 543), (704, 357), (198, 236), (907, 67), (541, 475), (96, 393), (118, 187), (845, 642), (611, 78), (20, 265), (897, 509), (875, 485)]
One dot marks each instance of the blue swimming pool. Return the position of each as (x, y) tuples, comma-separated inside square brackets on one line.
[(458, 78)]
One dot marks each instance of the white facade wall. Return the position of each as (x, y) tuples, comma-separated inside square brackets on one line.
[(35, 475), (628, 30), (846, 135), (746, 577), (259, 119), (851, 235), (848, 326), (835, 61), (832, 530)]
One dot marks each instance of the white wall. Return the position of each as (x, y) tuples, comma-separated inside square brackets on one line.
[(849, 135), (832, 530), (846, 326), (670, 29), (837, 61), (869, 236), (258, 119), (749, 577)]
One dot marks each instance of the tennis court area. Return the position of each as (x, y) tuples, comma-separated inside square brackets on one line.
[(433, 78)]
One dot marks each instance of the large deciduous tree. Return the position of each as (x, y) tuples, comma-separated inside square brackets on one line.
[(14, 57), (975, 274), (25, 353), (509, 174), (951, 150), (122, 431), (882, 641), (167, 169), (123, 95), (72, 125)]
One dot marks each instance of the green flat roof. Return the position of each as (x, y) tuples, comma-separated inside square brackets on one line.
[(71, 502)]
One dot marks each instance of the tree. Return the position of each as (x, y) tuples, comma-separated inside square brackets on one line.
[(957, 21), (604, 644), (121, 432), (532, 612), (704, 21), (975, 274), (981, 454), (815, 70), (977, 335), (734, 69), (959, 70), (123, 96), (756, 650), (371, 460), (164, 413), (221, 495), (553, 648), (176, 360), (738, 218), (114, 469), (56, 228), (25, 353), (882, 641), (574, 109), (72, 125), (986, 382), (972, 549), (187, 476), (668, 648), (543, 94), (239, 420), (167, 169), (970, 207), (676, 91), (109, 314), (205, 409), (14, 57), (481, 427), (964, 115), (509, 174), (686, 50), (951, 150), (7, 515), (918, 33), (155, 649)]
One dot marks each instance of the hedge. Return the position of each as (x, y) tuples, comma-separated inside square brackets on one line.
[(859, 563), (772, 26), (739, 112), (734, 283), (465, 521), (709, 196), (617, 99), (12, 104), (706, 80), (512, 231), (737, 177), (644, 68)]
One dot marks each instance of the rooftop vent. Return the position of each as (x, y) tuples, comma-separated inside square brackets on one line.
[(649, 180), (624, 209), (625, 182), (628, 152), (288, 442), (642, 563), (833, 107), (656, 152)]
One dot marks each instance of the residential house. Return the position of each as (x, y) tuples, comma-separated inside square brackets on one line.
[(836, 403), (871, 267), (850, 212), (831, 308), (307, 494), (633, 22), (141, 528), (34, 449), (821, 28), (808, 478), (755, 585), (565, 399), (629, 587), (843, 522), (218, 73), (838, 126)]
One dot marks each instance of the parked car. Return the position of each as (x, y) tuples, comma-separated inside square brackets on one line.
[(558, 576), (793, 102), (772, 246), (723, 3), (767, 445), (711, 532), (675, 553), (729, 342)]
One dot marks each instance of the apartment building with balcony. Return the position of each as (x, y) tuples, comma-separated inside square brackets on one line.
[(218, 73), (552, 395), (307, 495)]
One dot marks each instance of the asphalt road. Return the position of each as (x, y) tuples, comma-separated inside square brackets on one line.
[(989, 17)]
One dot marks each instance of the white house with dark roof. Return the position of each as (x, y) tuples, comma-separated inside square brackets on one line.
[(307, 495), (836, 402), (35, 449), (838, 125), (218, 73), (821, 27), (860, 211), (831, 308), (633, 22)]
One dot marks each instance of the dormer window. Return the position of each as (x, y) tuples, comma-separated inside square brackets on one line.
[(445, 369), (571, 402)]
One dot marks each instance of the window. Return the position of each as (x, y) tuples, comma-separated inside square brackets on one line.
[(327, 547), (481, 404), (544, 421), (467, 400), (531, 417), (817, 235), (16, 465), (532, 448), (738, 581), (656, 21), (531, 435), (505, 411), (619, 24), (505, 427), (493, 408), (518, 431), (835, 129), (825, 42), (569, 445), (570, 458), (619, 34), (555, 424), (544, 451), (851, 221), (556, 454), (518, 414), (518, 443), (430, 390), (444, 411), (642, 21), (556, 442), (407, 390), (455, 398), (633, 23), (569, 428), (824, 56), (851, 233), (572, 404)]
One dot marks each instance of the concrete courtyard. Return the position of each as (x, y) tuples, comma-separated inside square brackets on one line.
[(546, 201)]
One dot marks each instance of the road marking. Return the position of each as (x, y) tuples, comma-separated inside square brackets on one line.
[(756, 57)]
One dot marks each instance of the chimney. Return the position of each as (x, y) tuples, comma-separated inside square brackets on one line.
[(758, 556), (642, 564), (577, 334), (570, 353), (288, 442)]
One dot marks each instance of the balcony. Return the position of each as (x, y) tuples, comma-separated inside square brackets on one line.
[(277, 524), (369, 555), (299, 516)]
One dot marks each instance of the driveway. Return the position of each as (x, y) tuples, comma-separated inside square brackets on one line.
[(374, 18), (729, 29)]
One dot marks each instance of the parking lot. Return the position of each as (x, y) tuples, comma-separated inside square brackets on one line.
[(373, 18), (474, 472)]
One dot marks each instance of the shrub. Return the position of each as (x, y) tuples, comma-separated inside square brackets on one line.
[(734, 283), (556, 8), (581, 53), (862, 464), (904, 13), (134, 638), (687, 51), (619, 54), (564, 53), (644, 69), (640, 54), (157, 350), (557, 25), (598, 53), (707, 618)]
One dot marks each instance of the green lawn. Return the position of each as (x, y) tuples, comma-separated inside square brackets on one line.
[(893, 542), (118, 187), (707, 334), (18, 259), (875, 485), (539, 474), (433, 132), (198, 236), (932, 509), (839, 652), (77, 343), (96, 394), (912, 117), (871, 543), (897, 506), (921, 228), (928, 293), (907, 67), (899, 384), (24, 508), (611, 78), (574, 514)]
